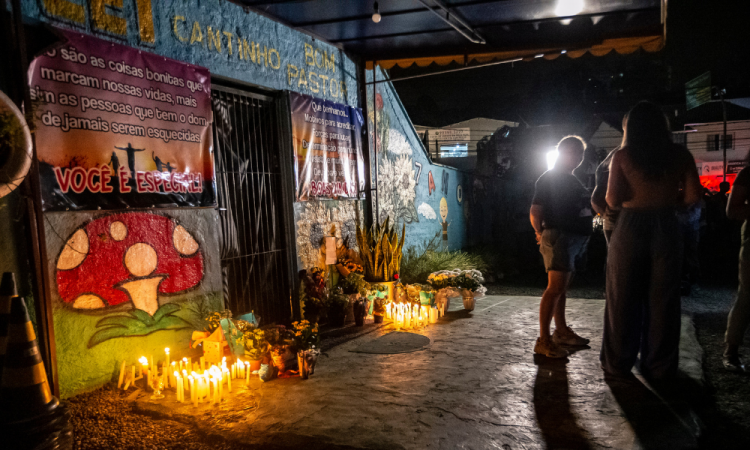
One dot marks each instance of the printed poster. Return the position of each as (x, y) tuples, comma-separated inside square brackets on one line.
[(118, 128), (328, 159)]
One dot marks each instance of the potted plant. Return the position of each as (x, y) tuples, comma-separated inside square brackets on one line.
[(256, 347), (307, 342), (313, 293), (355, 286), (468, 285), (281, 342), (338, 305), (381, 252)]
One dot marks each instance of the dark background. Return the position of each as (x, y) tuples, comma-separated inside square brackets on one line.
[(701, 36)]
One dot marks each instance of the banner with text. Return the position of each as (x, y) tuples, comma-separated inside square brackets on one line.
[(327, 138), (120, 128)]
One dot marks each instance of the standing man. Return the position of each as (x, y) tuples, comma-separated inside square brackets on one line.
[(562, 219)]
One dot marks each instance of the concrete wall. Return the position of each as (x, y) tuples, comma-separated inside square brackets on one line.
[(411, 187)]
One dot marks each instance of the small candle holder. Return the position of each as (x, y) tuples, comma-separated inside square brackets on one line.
[(158, 387)]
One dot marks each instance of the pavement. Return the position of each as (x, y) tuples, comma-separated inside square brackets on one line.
[(478, 385)]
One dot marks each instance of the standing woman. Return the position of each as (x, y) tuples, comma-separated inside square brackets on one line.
[(650, 178)]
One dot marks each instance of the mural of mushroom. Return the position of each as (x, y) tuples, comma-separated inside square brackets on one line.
[(130, 257)]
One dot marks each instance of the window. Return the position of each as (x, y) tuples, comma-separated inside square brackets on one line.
[(679, 138), (454, 151), (715, 142)]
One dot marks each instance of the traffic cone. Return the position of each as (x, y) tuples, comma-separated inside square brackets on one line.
[(24, 390), (7, 292), (30, 417)]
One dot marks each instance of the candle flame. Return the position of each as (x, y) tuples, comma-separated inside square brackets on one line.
[(184, 359), (143, 360), (174, 363), (166, 350), (176, 374)]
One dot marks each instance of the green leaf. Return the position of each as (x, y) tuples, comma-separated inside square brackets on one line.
[(115, 321), (143, 316), (165, 310), (107, 334)]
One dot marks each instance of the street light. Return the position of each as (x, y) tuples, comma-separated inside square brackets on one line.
[(376, 15)]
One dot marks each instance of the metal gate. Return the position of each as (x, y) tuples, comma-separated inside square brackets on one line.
[(254, 253)]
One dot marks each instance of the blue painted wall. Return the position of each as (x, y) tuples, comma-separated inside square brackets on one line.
[(405, 193), (290, 59)]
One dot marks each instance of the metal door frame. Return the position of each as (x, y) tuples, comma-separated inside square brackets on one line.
[(280, 101)]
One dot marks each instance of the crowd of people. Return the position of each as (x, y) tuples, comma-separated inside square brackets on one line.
[(648, 193)]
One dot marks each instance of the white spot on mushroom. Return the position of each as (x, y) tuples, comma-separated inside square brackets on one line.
[(141, 259), (88, 301), (118, 230), (184, 241), (74, 252)]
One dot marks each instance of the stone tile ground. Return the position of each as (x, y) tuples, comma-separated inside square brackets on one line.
[(477, 386)]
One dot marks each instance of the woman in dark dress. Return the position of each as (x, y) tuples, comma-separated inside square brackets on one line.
[(650, 178)]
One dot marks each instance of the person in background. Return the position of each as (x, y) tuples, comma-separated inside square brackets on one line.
[(598, 197), (739, 315), (562, 220), (650, 178), (690, 222)]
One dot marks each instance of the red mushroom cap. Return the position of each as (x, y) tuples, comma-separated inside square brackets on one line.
[(93, 261)]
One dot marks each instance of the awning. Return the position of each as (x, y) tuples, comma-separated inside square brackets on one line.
[(466, 32)]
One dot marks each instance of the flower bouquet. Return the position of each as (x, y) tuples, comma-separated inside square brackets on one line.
[(314, 293), (307, 341)]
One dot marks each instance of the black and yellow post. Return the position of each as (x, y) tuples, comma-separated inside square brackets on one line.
[(30, 416)]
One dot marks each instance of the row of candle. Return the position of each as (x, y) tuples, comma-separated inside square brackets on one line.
[(406, 316)]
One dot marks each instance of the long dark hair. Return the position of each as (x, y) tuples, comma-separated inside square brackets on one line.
[(648, 140)]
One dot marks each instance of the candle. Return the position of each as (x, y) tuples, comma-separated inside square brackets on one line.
[(193, 394), (166, 350), (229, 380), (433, 314), (177, 385), (203, 364), (216, 390), (122, 375), (144, 363), (247, 373)]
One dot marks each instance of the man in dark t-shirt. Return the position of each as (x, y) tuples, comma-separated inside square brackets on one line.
[(562, 219)]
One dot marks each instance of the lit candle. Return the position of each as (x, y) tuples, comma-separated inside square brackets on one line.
[(247, 373), (192, 390), (216, 390), (178, 391), (203, 364), (229, 379), (166, 350), (433, 314), (144, 363), (122, 375)]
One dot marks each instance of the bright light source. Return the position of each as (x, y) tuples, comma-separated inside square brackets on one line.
[(551, 159), (376, 15), (568, 7)]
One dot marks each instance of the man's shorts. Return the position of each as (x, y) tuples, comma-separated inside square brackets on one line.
[(561, 250)]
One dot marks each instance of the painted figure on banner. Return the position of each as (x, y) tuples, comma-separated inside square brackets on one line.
[(131, 258), (430, 183), (131, 157)]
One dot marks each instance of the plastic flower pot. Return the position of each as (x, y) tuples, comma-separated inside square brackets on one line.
[(377, 318), (360, 310)]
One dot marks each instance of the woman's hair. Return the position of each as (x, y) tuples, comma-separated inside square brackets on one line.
[(648, 140)]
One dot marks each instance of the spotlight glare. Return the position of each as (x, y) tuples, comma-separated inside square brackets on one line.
[(568, 7), (551, 159)]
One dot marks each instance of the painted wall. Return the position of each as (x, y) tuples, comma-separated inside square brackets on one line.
[(128, 284), (110, 307), (411, 188)]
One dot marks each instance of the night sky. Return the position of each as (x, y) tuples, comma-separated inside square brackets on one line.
[(701, 36)]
